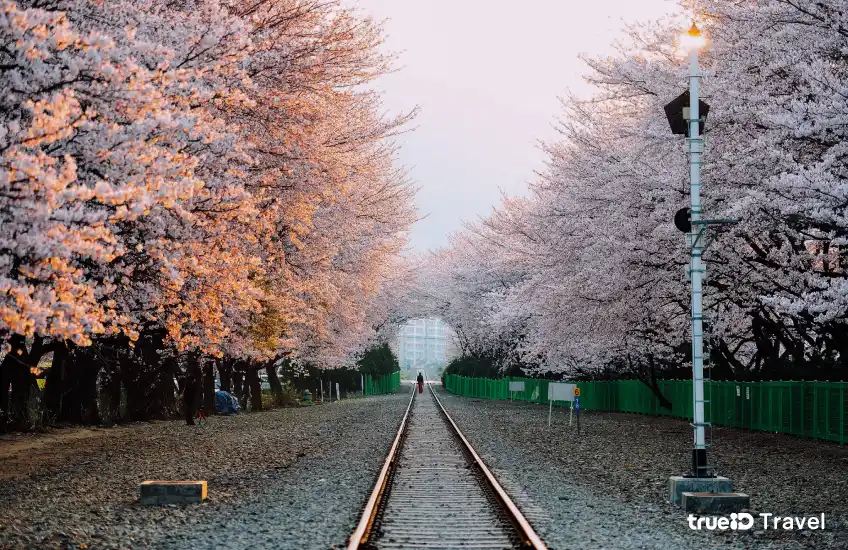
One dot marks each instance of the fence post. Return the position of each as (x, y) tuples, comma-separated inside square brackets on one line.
[(827, 412), (790, 409), (815, 411), (750, 403), (770, 409), (842, 413)]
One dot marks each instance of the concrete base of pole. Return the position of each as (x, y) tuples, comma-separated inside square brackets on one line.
[(714, 503), (677, 485)]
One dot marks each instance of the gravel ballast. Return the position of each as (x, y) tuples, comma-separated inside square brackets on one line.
[(607, 487), (290, 478)]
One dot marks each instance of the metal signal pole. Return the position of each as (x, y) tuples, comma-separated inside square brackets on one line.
[(697, 268)]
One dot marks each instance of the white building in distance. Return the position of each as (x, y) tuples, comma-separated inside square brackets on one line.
[(425, 342)]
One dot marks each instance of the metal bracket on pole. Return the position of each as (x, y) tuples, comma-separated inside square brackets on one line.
[(696, 237), (719, 221)]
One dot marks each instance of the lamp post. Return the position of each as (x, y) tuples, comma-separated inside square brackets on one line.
[(699, 453), (685, 116)]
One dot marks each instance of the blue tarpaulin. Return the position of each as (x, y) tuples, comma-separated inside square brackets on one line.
[(226, 403)]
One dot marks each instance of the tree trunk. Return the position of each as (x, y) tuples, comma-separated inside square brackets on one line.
[(55, 385), (8, 375), (239, 387), (131, 375), (252, 374), (189, 403), (4, 393), (192, 389), (276, 385), (133, 367), (237, 380), (111, 389), (654, 386), (225, 372), (22, 378), (88, 391), (70, 406), (728, 366), (209, 388), (655, 389), (165, 390), (149, 379)]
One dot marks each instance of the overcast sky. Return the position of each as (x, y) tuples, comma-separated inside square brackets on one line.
[(487, 75)]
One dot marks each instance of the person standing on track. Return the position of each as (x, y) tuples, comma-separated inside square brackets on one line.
[(420, 382)]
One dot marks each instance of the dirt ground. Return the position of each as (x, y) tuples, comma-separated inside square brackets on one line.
[(77, 488), (22, 454)]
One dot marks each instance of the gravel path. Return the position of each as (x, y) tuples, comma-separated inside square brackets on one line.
[(607, 487), (292, 478)]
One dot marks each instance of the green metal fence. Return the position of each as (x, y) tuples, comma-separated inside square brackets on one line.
[(807, 409), (386, 383)]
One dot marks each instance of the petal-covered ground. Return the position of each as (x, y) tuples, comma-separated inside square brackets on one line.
[(290, 478), (297, 478), (606, 487)]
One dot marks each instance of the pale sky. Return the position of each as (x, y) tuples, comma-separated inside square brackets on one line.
[(487, 75)]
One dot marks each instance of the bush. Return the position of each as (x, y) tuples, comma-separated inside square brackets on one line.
[(477, 366), (378, 360), (289, 397)]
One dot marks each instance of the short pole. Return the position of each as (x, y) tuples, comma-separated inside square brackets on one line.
[(550, 411)]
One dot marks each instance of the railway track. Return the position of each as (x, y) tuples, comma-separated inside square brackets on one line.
[(435, 492)]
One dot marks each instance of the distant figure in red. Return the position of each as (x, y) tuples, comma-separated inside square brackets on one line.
[(420, 382)]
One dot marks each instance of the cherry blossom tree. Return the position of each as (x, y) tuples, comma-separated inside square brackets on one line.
[(184, 182), (598, 267)]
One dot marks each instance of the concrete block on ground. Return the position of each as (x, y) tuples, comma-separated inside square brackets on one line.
[(677, 485), (715, 503), (157, 493)]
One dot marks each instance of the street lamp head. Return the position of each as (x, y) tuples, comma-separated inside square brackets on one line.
[(679, 115), (693, 39)]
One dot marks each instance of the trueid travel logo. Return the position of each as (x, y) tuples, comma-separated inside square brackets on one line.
[(744, 521)]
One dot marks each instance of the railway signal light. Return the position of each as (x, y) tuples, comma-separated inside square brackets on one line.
[(683, 220)]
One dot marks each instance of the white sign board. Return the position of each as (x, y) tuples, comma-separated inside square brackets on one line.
[(516, 386), (558, 391)]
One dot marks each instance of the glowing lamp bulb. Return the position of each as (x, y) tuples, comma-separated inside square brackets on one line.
[(693, 39)]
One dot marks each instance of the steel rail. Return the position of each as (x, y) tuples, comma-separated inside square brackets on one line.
[(525, 530), (361, 537), (360, 534)]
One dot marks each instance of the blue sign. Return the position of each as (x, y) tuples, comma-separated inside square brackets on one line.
[(577, 404)]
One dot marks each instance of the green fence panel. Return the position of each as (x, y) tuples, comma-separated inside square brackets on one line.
[(808, 409), (386, 383)]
